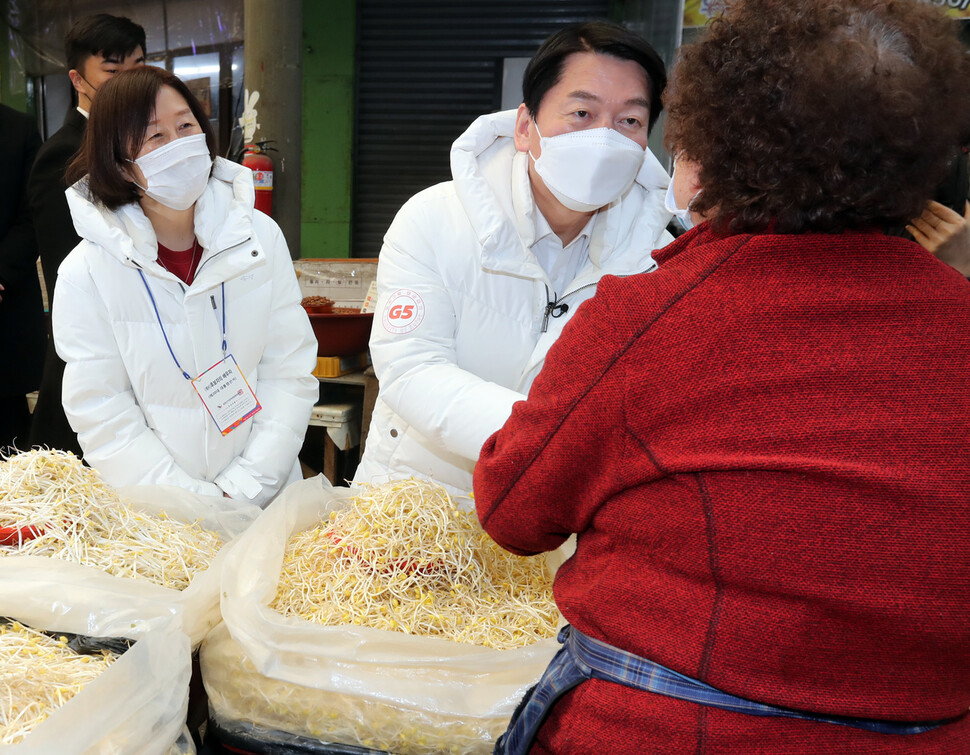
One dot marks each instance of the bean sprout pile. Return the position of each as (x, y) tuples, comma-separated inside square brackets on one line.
[(403, 557), (38, 674), (77, 517)]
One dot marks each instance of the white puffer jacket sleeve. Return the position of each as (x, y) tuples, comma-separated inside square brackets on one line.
[(418, 371)]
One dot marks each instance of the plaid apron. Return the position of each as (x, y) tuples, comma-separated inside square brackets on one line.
[(582, 657)]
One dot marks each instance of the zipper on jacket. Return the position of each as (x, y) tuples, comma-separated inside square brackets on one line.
[(203, 263), (221, 251), (557, 307)]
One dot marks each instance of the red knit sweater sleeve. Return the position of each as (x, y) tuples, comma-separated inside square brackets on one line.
[(546, 472)]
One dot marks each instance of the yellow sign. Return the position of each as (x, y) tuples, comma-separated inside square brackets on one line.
[(696, 12), (956, 8)]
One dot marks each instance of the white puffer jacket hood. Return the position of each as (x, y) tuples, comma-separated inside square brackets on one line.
[(481, 163), (223, 219)]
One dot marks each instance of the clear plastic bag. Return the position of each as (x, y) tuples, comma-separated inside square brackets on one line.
[(350, 684), (136, 707), (86, 600), (183, 745)]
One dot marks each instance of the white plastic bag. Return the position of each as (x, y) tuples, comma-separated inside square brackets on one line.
[(86, 600), (136, 707), (357, 685)]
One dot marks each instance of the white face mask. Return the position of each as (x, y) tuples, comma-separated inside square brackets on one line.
[(670, 204), (177, 173), (586, 170)]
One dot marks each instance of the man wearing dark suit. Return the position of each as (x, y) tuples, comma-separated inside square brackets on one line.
[(21, 307), (97, 48)]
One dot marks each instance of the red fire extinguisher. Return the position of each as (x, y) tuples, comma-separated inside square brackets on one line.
[(261, 164)]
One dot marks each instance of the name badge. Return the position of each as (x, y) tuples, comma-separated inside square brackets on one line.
[(226, 395)]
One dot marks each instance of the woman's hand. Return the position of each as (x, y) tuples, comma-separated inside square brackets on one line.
[(944, 234)]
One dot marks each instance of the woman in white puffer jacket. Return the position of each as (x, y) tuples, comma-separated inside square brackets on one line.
[(176, 281)]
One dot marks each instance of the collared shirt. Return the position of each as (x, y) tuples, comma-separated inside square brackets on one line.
[(560, 263), (83, 112)]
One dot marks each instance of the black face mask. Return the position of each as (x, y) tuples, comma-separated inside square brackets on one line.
[(88, 83)]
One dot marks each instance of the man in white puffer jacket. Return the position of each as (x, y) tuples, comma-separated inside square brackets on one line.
[(156, 431), (478, 276)]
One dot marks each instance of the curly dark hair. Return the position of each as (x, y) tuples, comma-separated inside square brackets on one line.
[(820, 115)]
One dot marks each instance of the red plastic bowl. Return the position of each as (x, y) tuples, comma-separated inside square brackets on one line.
[(16, 535), (341, 333)]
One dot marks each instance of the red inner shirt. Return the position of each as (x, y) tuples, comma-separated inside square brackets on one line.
[(182, 264)]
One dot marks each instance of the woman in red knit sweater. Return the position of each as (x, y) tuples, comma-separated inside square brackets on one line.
[(763, 444)]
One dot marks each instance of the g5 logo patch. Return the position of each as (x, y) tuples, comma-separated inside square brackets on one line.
[(403, 312)]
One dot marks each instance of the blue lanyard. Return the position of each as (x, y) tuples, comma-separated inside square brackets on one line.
[(165, 335)]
